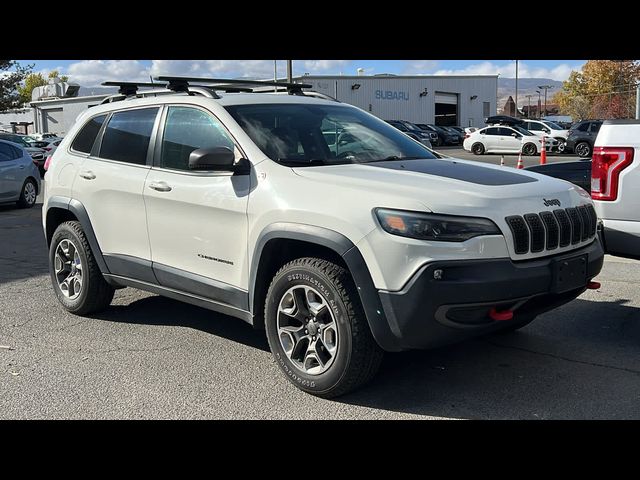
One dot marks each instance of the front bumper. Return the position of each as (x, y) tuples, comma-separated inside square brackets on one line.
[(428, 312)]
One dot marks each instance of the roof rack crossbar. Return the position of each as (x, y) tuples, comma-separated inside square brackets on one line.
[(131, 88), (183, 82)]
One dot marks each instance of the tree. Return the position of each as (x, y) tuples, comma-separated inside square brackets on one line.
[(32, 81), (12, 74), (602, 89)]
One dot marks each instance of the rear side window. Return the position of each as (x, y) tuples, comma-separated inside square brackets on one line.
[(491, 131), (583, 127), (595, 126), (7, 152), (87, 135), (186, 130), (127, 135), (535, 127)]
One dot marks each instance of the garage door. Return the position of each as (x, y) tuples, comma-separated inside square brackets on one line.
[(52, 121), (446, 107)]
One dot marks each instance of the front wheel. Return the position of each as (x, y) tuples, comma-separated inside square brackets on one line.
[(317, 330)]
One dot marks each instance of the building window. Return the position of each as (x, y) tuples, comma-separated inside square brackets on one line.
[(486, 108)]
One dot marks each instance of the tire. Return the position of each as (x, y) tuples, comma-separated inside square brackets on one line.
[(529, 149), (561, 146), (28, 194), (356, 356), (516, 325), (477, 148), (583, 149), (94, 293)]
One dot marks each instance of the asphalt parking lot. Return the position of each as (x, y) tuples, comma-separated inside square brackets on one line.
[(152, 357)]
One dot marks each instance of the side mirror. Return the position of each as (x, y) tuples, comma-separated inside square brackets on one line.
[(216, 159), (514, 134)]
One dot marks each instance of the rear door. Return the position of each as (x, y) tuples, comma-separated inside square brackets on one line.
[(491, 139), (110, 184)]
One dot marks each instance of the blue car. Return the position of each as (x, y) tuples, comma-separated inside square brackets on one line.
[(19, 175)]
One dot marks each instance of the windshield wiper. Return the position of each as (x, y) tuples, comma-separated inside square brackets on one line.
[(392, 158)]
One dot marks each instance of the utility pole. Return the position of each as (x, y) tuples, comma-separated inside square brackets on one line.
[(529, 108), (275, 74), (516, 88), (289, 71), (545, 88), (539, 104)]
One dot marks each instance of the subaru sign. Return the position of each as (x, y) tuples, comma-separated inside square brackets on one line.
[(391, 95)]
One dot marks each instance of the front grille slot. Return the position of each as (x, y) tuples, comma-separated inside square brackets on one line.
[(537, 232), (576, 225), (553, 231), (520, 233)]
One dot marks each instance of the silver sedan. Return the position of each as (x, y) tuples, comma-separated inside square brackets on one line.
[(19, 175)]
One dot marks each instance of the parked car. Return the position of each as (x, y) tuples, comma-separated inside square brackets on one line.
[(19, 176), (578, 172), (44, 136), (548, 129), (415, 133), (615, 185), (457, 133), (582, 136), (37, 154), (444, 137), (503, 120), (236, 203), (503, 139)]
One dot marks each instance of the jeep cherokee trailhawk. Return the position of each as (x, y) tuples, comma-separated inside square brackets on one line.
[(335, 232)]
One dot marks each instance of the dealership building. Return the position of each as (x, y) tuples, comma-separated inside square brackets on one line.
[(436, 99)]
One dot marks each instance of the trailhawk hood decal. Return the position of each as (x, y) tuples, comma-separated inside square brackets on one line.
[(456, 170)]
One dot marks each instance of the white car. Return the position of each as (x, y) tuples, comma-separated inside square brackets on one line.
[(46, 136), (548, 129), (245, 204), (504, 139)]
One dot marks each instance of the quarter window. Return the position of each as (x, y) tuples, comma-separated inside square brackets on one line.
[(127, 135), (87, 136), (188, 129)]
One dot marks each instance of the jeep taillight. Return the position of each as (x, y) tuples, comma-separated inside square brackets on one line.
[(606, 165)]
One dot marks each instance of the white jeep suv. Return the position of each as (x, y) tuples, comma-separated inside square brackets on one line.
[(243, 204)]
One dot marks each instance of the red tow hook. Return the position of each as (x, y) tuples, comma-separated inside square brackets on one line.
[(500, 316), (593, 285)]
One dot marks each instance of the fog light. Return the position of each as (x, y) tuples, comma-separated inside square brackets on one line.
[(437, 274)]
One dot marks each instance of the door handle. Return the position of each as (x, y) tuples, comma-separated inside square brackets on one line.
[(21, 167), (160, 186), (87, 175)]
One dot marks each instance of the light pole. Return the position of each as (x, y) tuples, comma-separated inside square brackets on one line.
[(289, 71), (529, 108), (516, 88), (539, 105), (545, 88)]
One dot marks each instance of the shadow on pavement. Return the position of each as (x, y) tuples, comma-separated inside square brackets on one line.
[(157, 310)]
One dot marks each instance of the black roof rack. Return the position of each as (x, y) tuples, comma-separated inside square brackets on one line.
[(131, 88), (181, 84)]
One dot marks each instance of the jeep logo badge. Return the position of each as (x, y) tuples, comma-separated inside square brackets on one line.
[(553, 201)]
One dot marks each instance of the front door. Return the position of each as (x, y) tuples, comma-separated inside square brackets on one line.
[(197, 219), (11, 172)]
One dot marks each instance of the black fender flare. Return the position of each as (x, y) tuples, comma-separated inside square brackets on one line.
[(342, 246), (78, 210)]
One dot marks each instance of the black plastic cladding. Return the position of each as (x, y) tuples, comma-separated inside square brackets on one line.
[(535, 232)]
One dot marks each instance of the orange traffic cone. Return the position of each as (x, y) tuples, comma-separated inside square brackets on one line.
[(543, 153), (520, 164), (502, 161)]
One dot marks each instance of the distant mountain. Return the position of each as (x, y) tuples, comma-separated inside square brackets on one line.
[(526, 86)]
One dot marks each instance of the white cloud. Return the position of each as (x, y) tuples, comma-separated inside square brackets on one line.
[(90, 73), (420, 67), (560, 72)]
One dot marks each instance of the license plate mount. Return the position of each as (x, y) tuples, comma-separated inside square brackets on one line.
[(569, 274)]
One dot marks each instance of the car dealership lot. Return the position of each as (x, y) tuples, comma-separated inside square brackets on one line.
[(151, 357)]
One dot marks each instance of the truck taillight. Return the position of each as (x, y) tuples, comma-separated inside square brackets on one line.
[(47, 162), (606, 165)]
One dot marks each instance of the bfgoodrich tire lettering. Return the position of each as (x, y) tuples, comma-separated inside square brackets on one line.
[(357, 357), (95, 293)]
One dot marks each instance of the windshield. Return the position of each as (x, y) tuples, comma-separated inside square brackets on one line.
[(310, 134), (523, 131), (553, 126)]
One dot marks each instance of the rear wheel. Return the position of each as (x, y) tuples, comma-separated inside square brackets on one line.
[(529, 149), (28, 194), (317, 330), (583, 149), (477, 148), (77, 280)]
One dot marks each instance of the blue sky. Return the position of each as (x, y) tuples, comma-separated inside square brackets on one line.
[(93, 72)]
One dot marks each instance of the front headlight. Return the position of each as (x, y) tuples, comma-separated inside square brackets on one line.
[(433, 226)]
